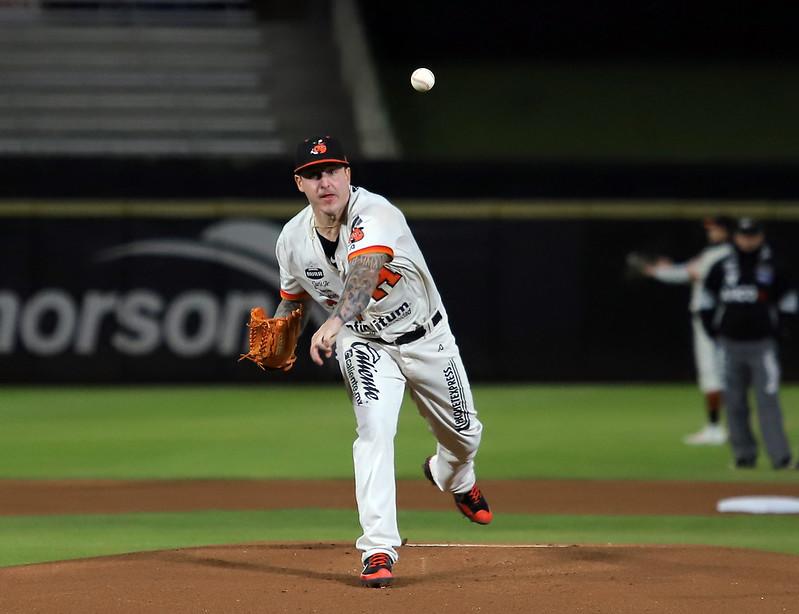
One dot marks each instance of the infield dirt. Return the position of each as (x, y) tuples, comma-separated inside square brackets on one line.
[(18, 497), (294, 578)]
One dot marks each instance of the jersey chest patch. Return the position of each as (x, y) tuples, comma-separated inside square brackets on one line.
[(324, 286), (764, 274), (314, 273)]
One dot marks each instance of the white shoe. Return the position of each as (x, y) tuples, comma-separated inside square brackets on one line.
[(710, 435)]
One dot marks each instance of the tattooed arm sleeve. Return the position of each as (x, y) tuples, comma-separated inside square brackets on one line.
[(360, 284)]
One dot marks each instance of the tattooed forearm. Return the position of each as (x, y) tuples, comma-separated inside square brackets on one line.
[(286, 307), (361, 283)]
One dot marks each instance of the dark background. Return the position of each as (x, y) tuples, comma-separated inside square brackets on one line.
[(257, 180), (533, 299), (536, 300), (583, 30)]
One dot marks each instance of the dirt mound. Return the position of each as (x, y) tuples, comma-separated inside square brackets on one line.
[(19, 497), (295, 578)]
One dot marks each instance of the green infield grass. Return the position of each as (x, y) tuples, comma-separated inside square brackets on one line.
[(34, 539)]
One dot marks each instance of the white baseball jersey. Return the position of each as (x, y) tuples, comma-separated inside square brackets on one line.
[(708, 367), (678, 273), (406, 296), (376, 370)]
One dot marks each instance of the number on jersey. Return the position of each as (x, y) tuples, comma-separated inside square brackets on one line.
[(387, 279)]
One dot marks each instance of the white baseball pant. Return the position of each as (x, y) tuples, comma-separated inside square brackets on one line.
[(706, 357), (376, 374)]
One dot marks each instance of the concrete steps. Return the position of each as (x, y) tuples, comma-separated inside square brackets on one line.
[(122, 82)]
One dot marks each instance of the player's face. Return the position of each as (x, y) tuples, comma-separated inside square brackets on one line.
[(716, 234), (327, 187), (748, 243)]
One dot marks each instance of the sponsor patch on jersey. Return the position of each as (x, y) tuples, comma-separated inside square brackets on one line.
[(314, 273), (376, 325), (327, 292), (764, 274), (746, 293)]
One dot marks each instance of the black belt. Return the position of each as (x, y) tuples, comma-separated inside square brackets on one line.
[(417, 333)]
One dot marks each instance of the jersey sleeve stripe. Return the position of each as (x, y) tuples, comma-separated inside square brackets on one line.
[(293, 297), (374, 249)]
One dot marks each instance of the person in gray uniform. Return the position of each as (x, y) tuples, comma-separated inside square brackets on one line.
[(745, 298)]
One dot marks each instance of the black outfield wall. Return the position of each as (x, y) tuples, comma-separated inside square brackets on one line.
[(145, 273), (121, 298)]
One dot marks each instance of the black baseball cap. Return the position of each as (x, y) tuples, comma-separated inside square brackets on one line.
[(319, 150), (748, 226)]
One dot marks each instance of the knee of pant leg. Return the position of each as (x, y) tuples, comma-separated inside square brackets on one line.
[(376, 430), (463, 448), (471, 437)]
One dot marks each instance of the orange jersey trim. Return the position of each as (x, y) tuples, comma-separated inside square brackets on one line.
[(292, 297), (374, 249)]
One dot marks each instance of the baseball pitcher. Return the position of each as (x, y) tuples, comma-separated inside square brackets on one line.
[(351, 251)]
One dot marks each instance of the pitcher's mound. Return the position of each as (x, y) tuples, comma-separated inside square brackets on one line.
[(295, 578)]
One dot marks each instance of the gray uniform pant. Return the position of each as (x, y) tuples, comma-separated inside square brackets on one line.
[(753, 363)]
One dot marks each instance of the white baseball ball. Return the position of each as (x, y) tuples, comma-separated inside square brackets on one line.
[(423, 80)]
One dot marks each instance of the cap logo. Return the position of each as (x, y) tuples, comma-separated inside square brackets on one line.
[(319, 148)]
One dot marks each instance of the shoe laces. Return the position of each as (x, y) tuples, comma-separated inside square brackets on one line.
[(379, 560), (475, 495)]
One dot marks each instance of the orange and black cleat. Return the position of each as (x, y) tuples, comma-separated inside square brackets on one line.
[(471, 504), (474, 506), (377, 571)]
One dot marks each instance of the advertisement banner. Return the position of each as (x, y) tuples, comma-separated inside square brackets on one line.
[(130, 299), (152, 295)]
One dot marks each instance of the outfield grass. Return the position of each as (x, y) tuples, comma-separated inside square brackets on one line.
[(47, 538), (598, 432), (602, 432)]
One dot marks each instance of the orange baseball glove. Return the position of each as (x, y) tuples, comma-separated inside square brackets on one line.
[(273, 340)]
